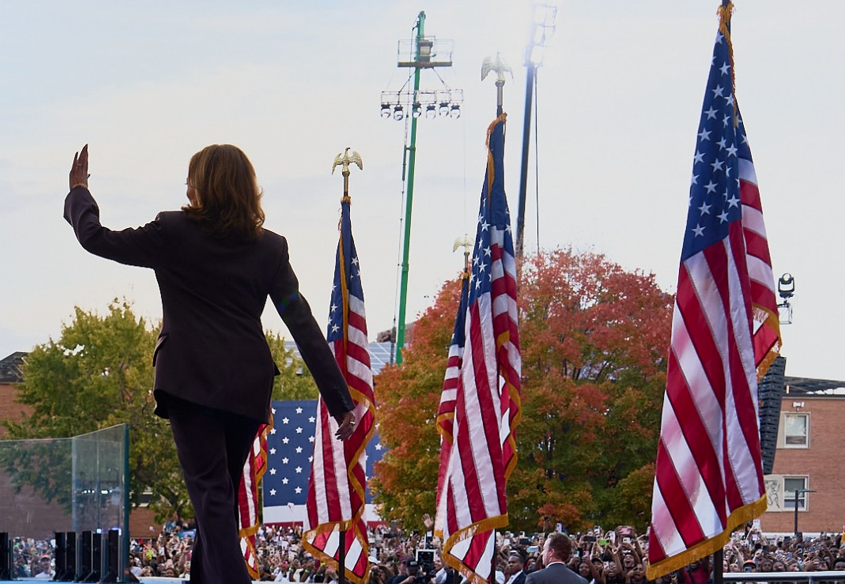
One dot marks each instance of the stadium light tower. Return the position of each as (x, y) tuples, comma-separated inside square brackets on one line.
[(420, 53), (542, 28)]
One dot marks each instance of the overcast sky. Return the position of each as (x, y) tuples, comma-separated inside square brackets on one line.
[(147, 84)]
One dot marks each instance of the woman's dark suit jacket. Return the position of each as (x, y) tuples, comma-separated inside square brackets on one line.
[(211, 349)]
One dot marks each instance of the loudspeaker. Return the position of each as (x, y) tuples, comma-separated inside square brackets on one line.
[(770, 393), (112, 557), (84, 567), (61, 560), (71, 555), (6, 562), (68, 558), (96, 558)]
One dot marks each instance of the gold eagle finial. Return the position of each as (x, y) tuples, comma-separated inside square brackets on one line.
[(344, 159)]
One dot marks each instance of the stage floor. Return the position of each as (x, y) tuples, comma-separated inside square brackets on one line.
[(144, 581)]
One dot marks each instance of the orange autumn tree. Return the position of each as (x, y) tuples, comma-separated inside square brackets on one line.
[(594, 340)]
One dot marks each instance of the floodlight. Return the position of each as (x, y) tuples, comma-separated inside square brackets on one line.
[(786, 286), (425, 46)]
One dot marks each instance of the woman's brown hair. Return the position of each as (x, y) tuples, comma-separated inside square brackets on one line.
[(228, 198)]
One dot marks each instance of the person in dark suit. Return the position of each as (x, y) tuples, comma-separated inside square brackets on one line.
[(556, 552), (216, 266), (516, 567)]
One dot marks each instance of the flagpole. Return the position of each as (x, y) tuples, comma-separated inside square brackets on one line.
[(719, 554), (523, 176), (500, 67), (344, 160)]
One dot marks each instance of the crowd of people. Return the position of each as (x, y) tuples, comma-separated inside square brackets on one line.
[(614, 556)]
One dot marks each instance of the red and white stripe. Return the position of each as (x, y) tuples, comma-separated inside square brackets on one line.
[(763, 294), (337, 485), (248, 520), (445, 421)]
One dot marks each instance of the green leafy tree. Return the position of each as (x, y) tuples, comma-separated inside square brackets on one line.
[(594, 339), (98, 374), (294, 381)]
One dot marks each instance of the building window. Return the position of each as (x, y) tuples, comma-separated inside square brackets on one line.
[(791, 485), (796, 430), (145, 498)]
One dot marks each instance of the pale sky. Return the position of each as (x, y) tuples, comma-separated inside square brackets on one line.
[(147, 84)]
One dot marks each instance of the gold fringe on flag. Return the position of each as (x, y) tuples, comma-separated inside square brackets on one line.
[(709, 546)]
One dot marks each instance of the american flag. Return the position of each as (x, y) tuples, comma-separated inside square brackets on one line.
[(336, 490), (482, 452), (708, 477), (290, 449), (248, 519)]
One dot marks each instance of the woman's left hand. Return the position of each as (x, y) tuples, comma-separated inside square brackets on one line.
[(346, 425), (79, 171)]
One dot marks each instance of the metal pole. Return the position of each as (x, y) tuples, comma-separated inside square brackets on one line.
[(719, 567), (797, 491), (123, 564), (500, 85), (341, 573), (523, 177), (493, 539), (409, 201)]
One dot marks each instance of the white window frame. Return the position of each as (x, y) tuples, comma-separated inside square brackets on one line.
[(806, 416), (146, 497), (789, 502), (779, 499)]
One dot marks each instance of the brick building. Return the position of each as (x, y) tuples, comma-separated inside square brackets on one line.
[(808, 458), (10, 374)]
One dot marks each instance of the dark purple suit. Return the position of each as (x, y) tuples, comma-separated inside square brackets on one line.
[(213, 368)]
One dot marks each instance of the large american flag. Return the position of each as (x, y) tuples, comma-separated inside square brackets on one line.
[(290, 450), (482, 452), (336, 489), (708, 477)]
